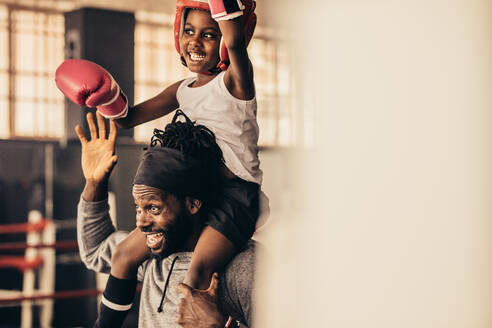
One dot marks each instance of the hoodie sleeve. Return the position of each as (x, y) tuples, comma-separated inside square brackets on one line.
[(96, 235)]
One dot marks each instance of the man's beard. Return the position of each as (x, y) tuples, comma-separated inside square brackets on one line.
[(175, 235)]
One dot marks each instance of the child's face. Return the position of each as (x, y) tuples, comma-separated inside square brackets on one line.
[(200, 41)]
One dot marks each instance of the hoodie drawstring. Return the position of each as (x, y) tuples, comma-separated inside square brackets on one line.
[(159, 309)]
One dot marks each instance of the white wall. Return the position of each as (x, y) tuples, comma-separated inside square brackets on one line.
[(388, 220)]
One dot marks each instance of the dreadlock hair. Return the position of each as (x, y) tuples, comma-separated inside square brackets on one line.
[(191, 139), (196, 141)]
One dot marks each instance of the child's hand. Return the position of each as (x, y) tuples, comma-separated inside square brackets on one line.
[(199, 308)]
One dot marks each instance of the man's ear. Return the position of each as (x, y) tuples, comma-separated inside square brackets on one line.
[(193, 205)]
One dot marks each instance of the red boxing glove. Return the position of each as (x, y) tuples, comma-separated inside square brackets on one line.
[(88, 84), (225, 9)]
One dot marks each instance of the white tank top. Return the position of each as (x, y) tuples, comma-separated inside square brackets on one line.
[(232, 120)]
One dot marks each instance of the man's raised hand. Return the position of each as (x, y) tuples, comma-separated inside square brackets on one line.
[(98, 158)]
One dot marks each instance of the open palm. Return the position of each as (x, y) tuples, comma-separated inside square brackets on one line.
[(98, 158)]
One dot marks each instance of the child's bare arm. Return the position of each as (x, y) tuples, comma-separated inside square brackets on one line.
[(153, 108), (239, 75), (128, 256)]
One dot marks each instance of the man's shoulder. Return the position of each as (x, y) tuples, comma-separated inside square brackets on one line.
[(245, 259), (237, 285), (239, 275)]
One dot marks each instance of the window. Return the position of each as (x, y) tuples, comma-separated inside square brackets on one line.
[(31, 47), (270, 60), (157, 65), (4, 73)]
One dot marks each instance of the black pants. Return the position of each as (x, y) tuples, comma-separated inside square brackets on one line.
[(236, 211)]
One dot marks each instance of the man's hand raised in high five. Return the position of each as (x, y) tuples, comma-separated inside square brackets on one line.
[(98, 158)]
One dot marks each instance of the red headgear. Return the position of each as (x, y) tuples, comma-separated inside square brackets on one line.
[(248, 19)]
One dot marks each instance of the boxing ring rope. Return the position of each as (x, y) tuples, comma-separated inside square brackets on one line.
[(39, 257), (14, 301), (19, 246), (35, 260), (66, 294), (16, 228), (24, 263), (39, 260)]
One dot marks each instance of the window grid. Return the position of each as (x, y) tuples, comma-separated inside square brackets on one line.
[(157, 65), (32, 46), (4, 74)]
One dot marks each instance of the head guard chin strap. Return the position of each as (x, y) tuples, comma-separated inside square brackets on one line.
[(248, 19)]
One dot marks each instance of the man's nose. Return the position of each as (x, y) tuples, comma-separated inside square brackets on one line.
[(143, 221)]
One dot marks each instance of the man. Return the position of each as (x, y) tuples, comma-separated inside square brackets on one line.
[(173, 185)]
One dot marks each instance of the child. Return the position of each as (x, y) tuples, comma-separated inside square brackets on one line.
[(221, 97)]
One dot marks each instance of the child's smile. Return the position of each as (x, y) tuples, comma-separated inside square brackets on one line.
[(196, 56)]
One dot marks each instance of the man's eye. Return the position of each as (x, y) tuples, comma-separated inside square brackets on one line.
[(154, 209)]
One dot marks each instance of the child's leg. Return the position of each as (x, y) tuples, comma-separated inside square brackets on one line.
[(230, 224), (212, 252)]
